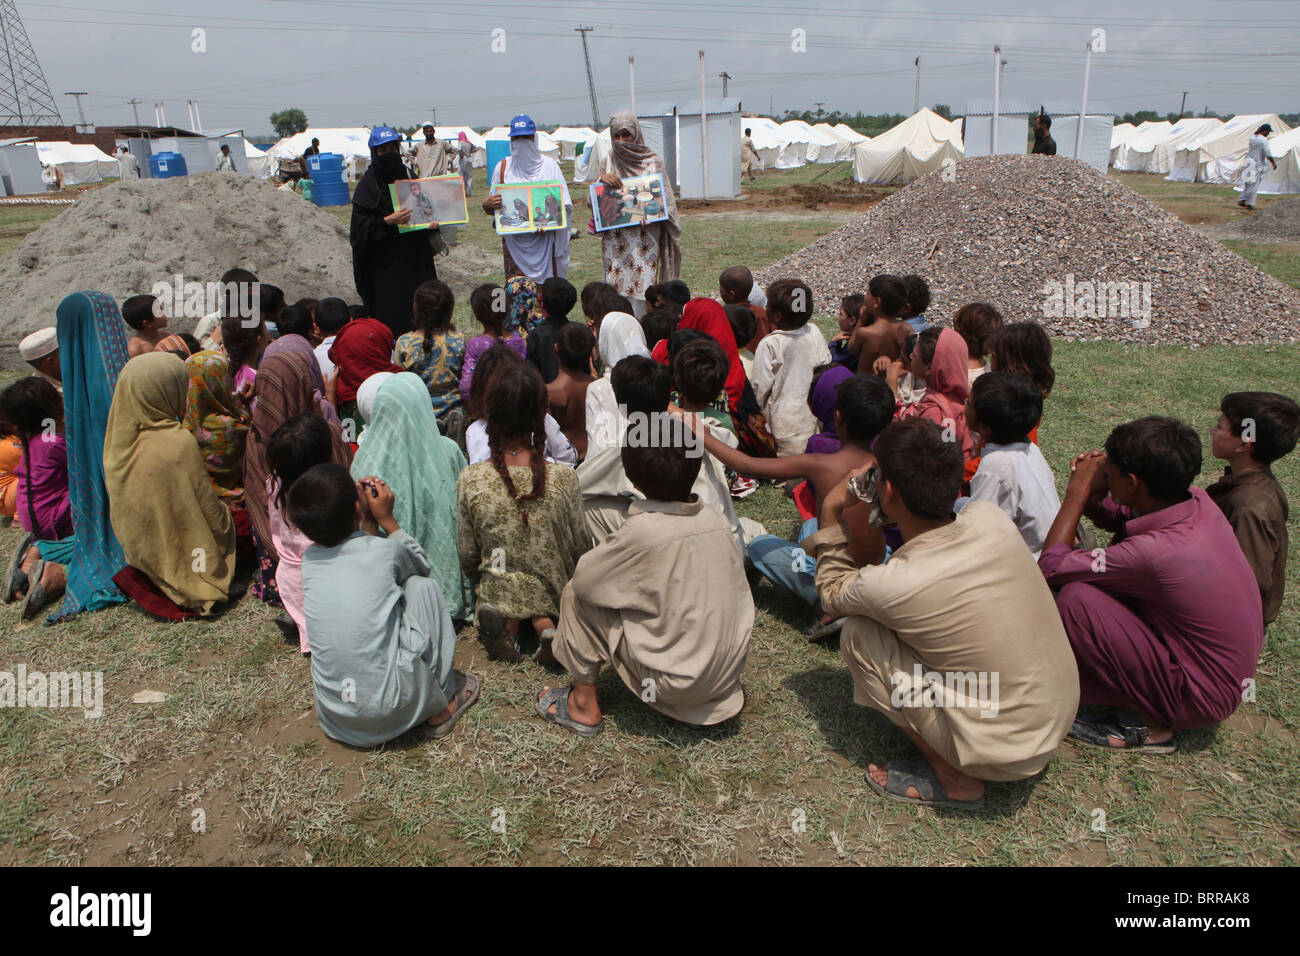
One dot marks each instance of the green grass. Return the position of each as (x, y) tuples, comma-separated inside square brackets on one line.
[(237, 737), (1196, 203), (1281, 260)]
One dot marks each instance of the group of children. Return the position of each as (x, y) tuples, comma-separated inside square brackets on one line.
[(569, 487)]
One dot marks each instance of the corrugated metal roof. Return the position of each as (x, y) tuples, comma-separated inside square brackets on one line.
[(1066, 108), (1005, 107), (21, 139)]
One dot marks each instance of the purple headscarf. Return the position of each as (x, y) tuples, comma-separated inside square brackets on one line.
[(822, 404)]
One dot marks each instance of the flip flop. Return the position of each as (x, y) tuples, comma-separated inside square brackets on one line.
[(559, 696), (37, 597), (492, 634), (917, 772), (820, 631), (467, 691), (1096, 731), (15, 576)]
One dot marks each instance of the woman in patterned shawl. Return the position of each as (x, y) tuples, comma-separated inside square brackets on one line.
[(219, 422)]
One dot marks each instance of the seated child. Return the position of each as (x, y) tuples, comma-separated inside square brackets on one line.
[(700, 369), (566, 395), (587, 299), (918, 301), (558, 298), (1254, 430), (947, 387), (736, 287), (243, 345), (863, 407), (743, 329), (521, 528), (643, 388), (296, 320), (271, 302), (558, 450), (975, 323), (298, 445), (381, 638), (146, 317), (1166, 623), (435, 350), (1025, 349), (784, 363), (331, 315), (1013, 474), (658, 324), (33, 411), (673, 295), (850, 310), (488, 303), (671, 587), (906, 374), (880, 331)]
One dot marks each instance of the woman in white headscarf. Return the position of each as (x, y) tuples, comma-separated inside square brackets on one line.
[(538, 255), (620, 337), (638, 256), (366, 396)]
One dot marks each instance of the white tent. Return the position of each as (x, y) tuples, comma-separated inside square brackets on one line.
[(1160, 159), (1134, 153), (548, 146), (773, 144), (844, 149), (451, 134), (849, 133), (79, 162), (569, 137), (917, 146), (259, 161), (819, 147), (586, 168), (1194, 159), (1120, 135), (349, 142)]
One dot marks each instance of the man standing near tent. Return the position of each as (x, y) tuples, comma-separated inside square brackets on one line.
[(433, 156), (538, 255), (388, 264), (1253, 170), (1044, 145), (225, 162), (128, 167), (748, 156)]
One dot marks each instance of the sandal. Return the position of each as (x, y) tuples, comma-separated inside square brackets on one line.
[(1097, 729), (492, 634), (544, 655), (559, 696), (37, 597), (467, 691), (15, 576), (820, 630), (916, 772)]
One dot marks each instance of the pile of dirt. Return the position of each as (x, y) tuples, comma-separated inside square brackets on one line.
[(1057, 242), (126, 237), (1277, 221)]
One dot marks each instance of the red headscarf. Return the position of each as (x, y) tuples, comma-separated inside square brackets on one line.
[(707, 316), (946, 389), (362, 348)]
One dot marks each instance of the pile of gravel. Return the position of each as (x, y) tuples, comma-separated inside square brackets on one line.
[(1278, 220), (127, 236), (1054, 241)]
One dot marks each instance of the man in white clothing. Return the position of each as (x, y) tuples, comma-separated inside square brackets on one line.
[(1253, 169)]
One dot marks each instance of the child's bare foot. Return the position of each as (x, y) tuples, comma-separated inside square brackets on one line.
[(583, 707)]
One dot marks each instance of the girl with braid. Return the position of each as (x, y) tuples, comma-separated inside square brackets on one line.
[(520, 520)]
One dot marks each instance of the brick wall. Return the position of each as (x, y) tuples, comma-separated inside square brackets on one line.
[(104, 139)]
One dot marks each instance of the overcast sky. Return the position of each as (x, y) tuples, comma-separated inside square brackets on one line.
[(361, 62)]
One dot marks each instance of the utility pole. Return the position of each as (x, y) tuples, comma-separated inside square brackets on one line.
[(631, 79), (198, 120), (704, 130), (1183, 105), (83, 128), (135, 113), (916, 96), (997, 96), (433, 118), (725, 76), (819, 106), (1083, 105), (591, 83)]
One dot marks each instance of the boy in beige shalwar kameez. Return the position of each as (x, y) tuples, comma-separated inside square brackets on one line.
[(663, 600)]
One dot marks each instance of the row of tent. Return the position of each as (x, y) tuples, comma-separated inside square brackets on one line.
[(1207, 150)]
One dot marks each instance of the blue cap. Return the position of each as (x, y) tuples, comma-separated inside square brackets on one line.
[(522, 125), (384, 134)]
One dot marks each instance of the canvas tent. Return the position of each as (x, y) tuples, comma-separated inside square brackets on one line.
[(1120, 135), (1285, 150), (1157, 156), (79, 162), (917, 146), (259, 161), (586, 168), (773, 144), (1194, 161), (844, 149), (818, 147), (850, 134), (569, 137), (1134, 153), (348, 142)]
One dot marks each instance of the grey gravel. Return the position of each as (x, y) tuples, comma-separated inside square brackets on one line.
[(1003, 229), (1278, 220)]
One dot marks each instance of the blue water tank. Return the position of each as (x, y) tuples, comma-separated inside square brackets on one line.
[(497, 150), (327, 164), (165, 165), (330, 194)]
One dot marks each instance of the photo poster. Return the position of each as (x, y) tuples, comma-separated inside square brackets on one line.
[(439, 199), (528, 207), (640, 202)]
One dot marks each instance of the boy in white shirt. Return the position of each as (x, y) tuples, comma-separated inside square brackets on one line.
[(783, 365), (1013, 474)]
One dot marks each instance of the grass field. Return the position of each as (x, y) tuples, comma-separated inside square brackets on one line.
[(232, 767)]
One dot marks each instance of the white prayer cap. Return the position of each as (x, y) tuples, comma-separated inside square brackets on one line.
[(427, 123), (38, 345)]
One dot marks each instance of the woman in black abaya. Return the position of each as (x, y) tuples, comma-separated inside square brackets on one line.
[(387, 264)]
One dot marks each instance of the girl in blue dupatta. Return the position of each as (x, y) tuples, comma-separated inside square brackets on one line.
[(92, 351)]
